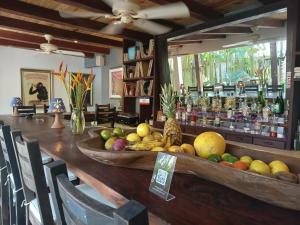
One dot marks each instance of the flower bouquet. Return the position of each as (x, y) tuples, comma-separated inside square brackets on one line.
[(77, 87)]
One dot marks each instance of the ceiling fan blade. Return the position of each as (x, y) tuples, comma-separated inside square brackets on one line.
[(168, 11), (113, 28), (83, 14), (151, 27), (71, 53)]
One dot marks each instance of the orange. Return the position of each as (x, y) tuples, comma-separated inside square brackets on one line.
[(240, 165), (209, 143)]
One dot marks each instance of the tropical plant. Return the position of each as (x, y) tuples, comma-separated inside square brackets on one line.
[(76, 85)]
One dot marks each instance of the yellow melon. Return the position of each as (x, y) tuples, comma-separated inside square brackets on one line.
[(209, 143)]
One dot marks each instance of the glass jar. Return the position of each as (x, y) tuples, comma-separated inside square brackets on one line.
[(77, 121)]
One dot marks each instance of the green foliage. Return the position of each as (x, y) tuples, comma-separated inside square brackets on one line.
[(228, 65), (168, 100)]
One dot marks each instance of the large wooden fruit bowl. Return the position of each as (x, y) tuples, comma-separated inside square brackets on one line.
[(267, 189)]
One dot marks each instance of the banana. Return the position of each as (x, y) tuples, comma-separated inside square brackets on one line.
[(146, 145)]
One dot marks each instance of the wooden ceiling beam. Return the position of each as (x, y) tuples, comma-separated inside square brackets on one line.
[(48, 15), (198, 37), (231, 30), (58, 33), (32, 46), (101, 7), (64, 45), (197, 9)]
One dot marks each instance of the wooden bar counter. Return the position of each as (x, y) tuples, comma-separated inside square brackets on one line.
[(197, 202)]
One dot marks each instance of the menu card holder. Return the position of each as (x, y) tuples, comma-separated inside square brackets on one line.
[(162, 176)]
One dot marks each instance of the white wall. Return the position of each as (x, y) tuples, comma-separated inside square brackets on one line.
[(13, 59)]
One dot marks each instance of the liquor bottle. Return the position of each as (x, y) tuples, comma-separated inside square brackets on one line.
[(245, 108), (260, 100), (257, 125), (217, 120), (178, 112), (183, 116), (281, 103), (229, 113), (193, 117), (266, 111), (189, 104), (276, 109), (253, 106)]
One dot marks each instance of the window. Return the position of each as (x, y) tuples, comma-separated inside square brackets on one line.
[(263, 63)]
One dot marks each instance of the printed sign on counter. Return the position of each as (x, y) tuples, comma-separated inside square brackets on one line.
[(162, 176)]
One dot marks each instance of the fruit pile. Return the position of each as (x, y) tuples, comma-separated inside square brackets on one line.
[(208, 145), (211, 146), (114, 140)]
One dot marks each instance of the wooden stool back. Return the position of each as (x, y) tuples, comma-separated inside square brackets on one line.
[(16, 195), (4, 194), (33, 177), (77, 208)]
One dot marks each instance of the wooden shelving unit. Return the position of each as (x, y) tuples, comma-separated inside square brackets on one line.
[(293, 60), (139, 80)]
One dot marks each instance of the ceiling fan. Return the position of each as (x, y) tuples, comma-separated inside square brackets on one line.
[(48, 48), (125, 12)]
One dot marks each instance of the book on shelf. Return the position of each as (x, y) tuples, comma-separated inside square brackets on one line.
[(130, 70), (125, 57), (146, 87), (137, 70), (297, 72), (151, 48), (150, 68), (129, 89)]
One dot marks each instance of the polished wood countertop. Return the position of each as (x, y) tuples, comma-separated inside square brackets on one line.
[(197, 202)]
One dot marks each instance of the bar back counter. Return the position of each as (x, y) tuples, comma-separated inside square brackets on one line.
[(197, 201)]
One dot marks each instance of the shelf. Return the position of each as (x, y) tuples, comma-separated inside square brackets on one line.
[(134, 61), (138, 78), (138, 96), (296, 79)]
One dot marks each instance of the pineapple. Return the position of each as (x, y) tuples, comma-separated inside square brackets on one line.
[(172, 131)]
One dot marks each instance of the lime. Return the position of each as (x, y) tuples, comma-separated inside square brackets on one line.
[(225, 156), (214, 158), (231, 159), (105, 134), (118, 131)]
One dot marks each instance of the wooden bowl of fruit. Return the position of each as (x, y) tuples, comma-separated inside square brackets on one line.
[(267, 174)]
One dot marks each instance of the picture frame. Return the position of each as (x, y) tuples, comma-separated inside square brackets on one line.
[(90, 93), (36, 87), (116, 82)]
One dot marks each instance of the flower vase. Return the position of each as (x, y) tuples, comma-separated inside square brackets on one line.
[(77, 121)]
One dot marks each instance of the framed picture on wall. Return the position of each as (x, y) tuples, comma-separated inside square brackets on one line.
[(116, 82), (36, 87), (89, 95)]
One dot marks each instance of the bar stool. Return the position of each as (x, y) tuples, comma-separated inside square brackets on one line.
[(37, 198), (4, 199), (78, 208), (16, 195)]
